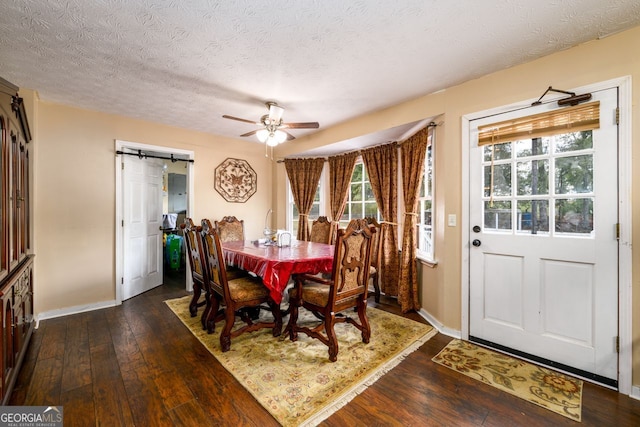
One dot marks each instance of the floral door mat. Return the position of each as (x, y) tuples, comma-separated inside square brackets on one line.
[(550, 389)]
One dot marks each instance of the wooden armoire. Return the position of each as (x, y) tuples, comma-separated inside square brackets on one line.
[(16, 257)]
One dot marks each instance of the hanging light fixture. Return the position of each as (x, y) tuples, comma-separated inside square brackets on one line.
[(271, 135)]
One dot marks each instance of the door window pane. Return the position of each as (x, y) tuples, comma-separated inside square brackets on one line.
[(497, 215), (501, 180), (533, 177), (574, 174), (500, 151), (532, 147), (574, 216), (573, 141), (533, 216)]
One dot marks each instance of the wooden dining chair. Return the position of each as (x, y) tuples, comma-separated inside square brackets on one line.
[(347, 288), (235, 294), (321, 230), (376, 256), (230, 228), (191, 234)]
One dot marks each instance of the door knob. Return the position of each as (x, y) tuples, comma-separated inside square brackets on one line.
[(476, 243)]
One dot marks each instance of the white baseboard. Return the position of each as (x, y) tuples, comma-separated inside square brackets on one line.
[(635, 392), (454, 333), (73, 310)]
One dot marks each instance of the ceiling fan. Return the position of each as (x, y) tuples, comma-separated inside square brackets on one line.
[(272, 132)]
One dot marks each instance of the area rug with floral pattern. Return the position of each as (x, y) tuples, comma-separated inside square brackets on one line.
[(551, 390), (295, 381)]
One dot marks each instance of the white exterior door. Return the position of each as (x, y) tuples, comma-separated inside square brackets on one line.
[(142, 222), (543, 247)]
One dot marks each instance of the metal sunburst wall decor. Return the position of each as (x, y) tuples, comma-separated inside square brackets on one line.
[(235, 180)]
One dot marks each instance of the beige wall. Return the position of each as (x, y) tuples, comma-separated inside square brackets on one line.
[(74, 203), (590, 63)]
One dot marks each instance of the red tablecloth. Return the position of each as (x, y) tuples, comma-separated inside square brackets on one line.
[(276, 265)]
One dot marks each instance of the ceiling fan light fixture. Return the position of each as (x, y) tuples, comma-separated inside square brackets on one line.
[(270, 134), (280, 136), (275, 112), (274, 138), (263, 135)]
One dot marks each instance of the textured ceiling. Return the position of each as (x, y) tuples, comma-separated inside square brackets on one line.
[(186, 63)]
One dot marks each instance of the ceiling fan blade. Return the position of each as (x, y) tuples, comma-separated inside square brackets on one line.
[(253, 132), (289, 136), (241, 120), (303, 125)]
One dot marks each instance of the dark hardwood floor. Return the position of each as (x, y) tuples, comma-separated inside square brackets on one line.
[(136, 364)]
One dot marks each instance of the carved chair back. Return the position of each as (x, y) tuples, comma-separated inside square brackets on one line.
[(230, 228), (321, 230)]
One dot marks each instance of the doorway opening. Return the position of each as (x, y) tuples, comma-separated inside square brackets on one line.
[(151, 203)]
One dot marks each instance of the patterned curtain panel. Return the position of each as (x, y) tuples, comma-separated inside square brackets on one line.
[(340, 171), (412, 154), (304, 175), (382, 166)]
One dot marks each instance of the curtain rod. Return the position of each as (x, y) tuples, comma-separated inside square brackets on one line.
[(142, 155), (429, 125)]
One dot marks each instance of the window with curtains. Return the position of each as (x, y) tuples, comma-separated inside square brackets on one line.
[(292, 214), (360, 202), (425, 207)]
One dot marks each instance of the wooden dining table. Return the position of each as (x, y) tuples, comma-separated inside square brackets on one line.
[(275, 264)]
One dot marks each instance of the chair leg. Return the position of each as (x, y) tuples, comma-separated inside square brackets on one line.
[(376, 288), (293, 319), (193, 305), (206, 311), (329, 323), (364, 321), (225, 335), (210, 321)]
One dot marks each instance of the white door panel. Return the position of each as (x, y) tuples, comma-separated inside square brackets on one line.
[(543, 272), (142, 182)]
